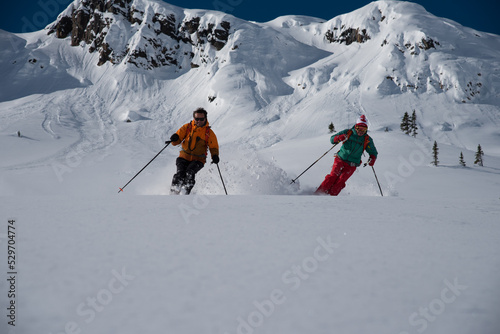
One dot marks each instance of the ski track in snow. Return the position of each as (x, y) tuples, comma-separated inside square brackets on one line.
[(85, 115)]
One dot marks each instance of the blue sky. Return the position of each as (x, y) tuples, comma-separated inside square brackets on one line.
[(25, 16)]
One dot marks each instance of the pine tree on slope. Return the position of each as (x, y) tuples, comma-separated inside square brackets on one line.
[(461, 161), (413, 124), (479, 156), (435, 151), (405, 123), (331, 127)]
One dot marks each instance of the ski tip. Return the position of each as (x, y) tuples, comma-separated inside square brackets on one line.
[(120, 191)]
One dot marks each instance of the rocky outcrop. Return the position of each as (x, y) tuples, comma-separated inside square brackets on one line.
[(165, 42), (347, 36), (63, 27), (428, 43), (167, 26), (414, 47)]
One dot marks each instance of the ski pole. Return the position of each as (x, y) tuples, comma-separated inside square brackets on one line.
[(293, 181), (221, 178), (376, 178), (121, 189)]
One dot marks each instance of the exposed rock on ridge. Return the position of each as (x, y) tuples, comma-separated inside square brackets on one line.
[(347, 36), (168, 40)]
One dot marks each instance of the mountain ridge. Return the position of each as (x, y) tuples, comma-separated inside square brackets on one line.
[(152, 34)]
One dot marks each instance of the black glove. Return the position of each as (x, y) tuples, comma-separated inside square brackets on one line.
[(174, 137), (215, 159)]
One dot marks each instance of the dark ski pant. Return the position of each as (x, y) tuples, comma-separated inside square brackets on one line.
[(186, 171), (335, 181)]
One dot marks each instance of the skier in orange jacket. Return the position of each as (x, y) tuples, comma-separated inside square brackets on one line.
[(197, 138)]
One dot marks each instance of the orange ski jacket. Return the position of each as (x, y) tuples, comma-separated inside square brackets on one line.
[(196, 141)]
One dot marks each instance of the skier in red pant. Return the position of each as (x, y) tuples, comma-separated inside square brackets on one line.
[(355, 142)]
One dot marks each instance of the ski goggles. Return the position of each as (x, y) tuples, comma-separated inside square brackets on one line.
[(361, 129)]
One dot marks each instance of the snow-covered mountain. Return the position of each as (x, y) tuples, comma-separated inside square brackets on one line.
[(121, 76)]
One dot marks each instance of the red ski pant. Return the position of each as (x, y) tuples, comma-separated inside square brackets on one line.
[(335, 181)]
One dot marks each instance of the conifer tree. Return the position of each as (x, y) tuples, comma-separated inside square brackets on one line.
[(479, 156), (331, 127), (461, 161), (435, 152), (405, 123), (413, 124)]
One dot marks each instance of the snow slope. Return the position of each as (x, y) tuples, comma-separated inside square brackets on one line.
[(256, 264), (422, 258)]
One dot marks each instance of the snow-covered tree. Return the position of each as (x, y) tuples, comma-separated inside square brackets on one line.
[(331, 127), (413, 124), (479, 156), (435, 151), (405, 123), (461, 160)]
